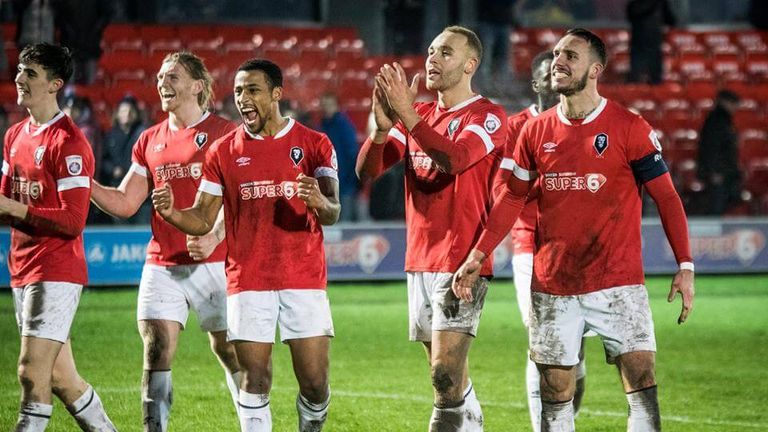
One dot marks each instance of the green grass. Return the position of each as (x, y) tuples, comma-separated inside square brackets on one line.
[(711, 371)]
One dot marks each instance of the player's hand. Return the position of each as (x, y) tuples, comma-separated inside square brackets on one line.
[(400, 94), (162, 200), (465, 279), (4, 205), (683, 284), (308, 190), (201, 247), (383, 115)]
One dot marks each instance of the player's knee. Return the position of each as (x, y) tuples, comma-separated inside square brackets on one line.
[(224, 351), (444, 380), (29, 375), (642, 378), (257, 380), (557, 384), (315, 389), (155, 351)]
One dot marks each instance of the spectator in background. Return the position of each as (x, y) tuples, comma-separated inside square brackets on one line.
[(647, 18), (35, 22), (495, 21), (343, 136), (4, 122), (81, 111), (127, 125), (758, 14), (718, 158), (81, 24)]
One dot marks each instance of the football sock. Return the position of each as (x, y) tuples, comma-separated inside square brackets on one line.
[(532, 383), (33, 417), (89, 412), (557, 416), (311, 416), (447, 419), (233, 384), (253, 410), (473, 414), (644, 411), (156, 400), (581, 385)]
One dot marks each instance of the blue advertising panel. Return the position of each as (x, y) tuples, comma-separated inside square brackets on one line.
[(377, 251)]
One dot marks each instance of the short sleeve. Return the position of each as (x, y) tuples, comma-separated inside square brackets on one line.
[(138, 157), (212, 182), (523, 163), (326, 163), (72, 162)]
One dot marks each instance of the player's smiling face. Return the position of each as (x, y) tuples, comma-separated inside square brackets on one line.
[(572, 65), (446, 61), (33, 86), (176, 87), (255, 99)]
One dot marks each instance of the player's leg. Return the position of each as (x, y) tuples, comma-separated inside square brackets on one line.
[(555, 334), (307, 327), (622, 317), (454, 326), (77, 395), (206, 289), (251, 321), (522, 266), (44, 314), (581, 380)]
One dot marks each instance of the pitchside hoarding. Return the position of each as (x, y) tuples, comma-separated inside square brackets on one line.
[(376, 251)]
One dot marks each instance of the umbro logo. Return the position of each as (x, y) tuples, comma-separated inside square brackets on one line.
[(243, 161), (549, 147)]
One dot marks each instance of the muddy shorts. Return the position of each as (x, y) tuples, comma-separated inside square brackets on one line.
[(46, 309), (621, 316)]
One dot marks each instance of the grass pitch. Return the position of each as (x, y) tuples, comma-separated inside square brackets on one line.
[(711, 370)]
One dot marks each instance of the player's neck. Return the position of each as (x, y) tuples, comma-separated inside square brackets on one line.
[(449, 98), (42, 114), (184, 116), (274, 125), (581, 104)]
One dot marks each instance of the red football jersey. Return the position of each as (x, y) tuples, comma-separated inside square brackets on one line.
[(273, 241), (163, 154), (445, 213), (524, 230), (38, 165), (588, 232)]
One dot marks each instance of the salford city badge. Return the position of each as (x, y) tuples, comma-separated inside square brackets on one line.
[(601, 143), (297, 155), (200, 139), (39, 152), (452, 126)]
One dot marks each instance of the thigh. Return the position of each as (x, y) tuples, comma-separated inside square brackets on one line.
[(453, 314), (637, 370), (522, 266), (255, 360), (206, 289), (161, 294), (621, 316), (310, 358), (46, 309), (160, 339), (555, 330), (304, 313), (252, 316)]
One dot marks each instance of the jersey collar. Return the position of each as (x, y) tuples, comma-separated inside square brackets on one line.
[(283, 132), (202, 118), (587, 119), (43, 127), (533, 110), (457, 107)]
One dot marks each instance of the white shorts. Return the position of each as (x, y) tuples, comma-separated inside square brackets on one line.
[(300, 313), (429, 292), (46, 309), (621, 316), (522, 267), (167, 293)]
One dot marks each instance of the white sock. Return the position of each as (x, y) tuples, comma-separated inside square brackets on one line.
[(581, 376), (312, 416), (644, 411), (233, 384), (557, 416), (447, 419), (89, 412), (33, 417), (473, 413), (532, 384), (253, 410), (156, 400)]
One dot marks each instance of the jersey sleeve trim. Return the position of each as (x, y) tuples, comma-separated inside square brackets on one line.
[(68, 183), (211, 188), (6, 168), (326, 172), (521, 173), (397, 135), (479, 131), (507, 164), (138, 169)]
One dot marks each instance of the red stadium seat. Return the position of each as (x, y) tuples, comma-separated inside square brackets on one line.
[(156, 32), (748, 119), (115, 32), (165, 46), (209, 48), (195, 31), (757, 177)]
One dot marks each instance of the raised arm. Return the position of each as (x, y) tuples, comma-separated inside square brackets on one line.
[(123, 201), (375, 155), (197, 220)]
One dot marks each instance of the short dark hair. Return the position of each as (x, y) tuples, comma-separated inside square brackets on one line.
[(595, 43), (539, 59), (55, 60), (271, 71), (472, 39)]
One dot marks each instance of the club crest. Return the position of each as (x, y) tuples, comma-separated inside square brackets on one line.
[(655, 140), (452, 126), (157, 148), (297, 155), (39, 152), (200, 139), (601, 143), (74, 164)]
